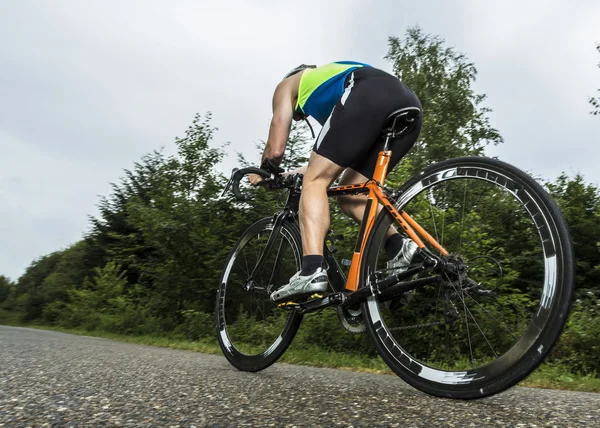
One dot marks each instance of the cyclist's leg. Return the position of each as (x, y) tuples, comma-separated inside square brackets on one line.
[(355, 121), (314, 204), (314, 224), (399, 251), (354, 205), (346, 136), (397, 96)]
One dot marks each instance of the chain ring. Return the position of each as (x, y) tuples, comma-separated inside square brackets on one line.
[(351, 319)]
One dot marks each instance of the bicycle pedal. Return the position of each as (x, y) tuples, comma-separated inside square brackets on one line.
[(287, 305)]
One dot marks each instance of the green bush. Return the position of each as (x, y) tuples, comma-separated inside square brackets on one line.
[(323, 329), (579, 345), (101, 304), (196, 325), (10, 317)]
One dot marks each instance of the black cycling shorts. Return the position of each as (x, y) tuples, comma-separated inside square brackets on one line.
[(351, 136)]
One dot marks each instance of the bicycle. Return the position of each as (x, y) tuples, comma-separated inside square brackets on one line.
[(482, 303)]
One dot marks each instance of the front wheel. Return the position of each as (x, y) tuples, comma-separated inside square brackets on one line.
[(252, 332), (489, 324)]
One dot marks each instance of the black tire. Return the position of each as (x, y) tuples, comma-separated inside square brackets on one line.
[(252, 332), (511, 305)]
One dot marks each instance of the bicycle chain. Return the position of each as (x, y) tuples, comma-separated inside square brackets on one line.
[(431, 324)]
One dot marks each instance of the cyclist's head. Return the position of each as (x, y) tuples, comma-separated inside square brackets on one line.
[(298, 70)]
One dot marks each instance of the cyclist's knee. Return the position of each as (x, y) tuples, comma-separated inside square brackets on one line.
[(321, 171)]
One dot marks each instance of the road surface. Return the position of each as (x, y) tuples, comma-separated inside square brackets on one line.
[(56, 379)]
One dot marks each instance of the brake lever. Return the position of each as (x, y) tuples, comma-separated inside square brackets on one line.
[(229, 183)]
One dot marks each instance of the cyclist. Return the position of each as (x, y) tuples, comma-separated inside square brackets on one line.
[(351, 101)]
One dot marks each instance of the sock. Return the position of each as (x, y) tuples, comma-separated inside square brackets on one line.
[(393, 245), (311, 263)]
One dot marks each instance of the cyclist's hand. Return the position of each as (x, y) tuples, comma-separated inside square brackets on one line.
[(300, 170), (255, 179)]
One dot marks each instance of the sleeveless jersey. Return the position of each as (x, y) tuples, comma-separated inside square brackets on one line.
[(321, 87)]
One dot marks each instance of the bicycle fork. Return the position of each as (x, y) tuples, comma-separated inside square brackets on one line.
[(249, 285)]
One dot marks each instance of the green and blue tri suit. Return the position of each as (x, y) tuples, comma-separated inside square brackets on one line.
[(320, 88), (351, 100)]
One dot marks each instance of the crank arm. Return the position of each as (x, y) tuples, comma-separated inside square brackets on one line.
[(333, 299)]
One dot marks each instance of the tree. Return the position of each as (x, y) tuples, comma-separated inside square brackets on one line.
[(580, 204), (29, 286), (595, 101), (112, 235), (187, 225), (49, 278), (6, 287), (455, 119)]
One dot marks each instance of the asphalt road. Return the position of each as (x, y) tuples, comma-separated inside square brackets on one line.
[(55, 379)]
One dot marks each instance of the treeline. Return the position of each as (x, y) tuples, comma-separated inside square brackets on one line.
[(152, 257)]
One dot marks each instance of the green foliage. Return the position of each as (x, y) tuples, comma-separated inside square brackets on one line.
[(298, 147), (6, 288), (196, 325), (595, 101), (48, 279), (579, 345), (189, 228), (263, 202), (323, 330), (580, 204), (113, 236), (297, 150), (101, 304), (455, 120), (33, 296)]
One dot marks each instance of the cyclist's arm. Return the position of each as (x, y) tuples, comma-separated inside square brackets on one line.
[(284, 99), (279, 131)]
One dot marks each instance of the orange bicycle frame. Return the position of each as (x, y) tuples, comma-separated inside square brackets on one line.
[(375, 197)]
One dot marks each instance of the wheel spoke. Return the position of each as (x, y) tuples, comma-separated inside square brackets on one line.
[(498, 322), (461, 293)]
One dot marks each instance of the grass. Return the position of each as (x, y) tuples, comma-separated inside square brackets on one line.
[(546, 376), (557, 377)]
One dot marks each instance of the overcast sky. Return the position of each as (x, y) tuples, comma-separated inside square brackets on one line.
[(87, 88)]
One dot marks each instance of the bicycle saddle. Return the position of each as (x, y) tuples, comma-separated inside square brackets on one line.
[(401, 121)]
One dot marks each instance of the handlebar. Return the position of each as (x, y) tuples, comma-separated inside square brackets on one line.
[(237, 176), (272, 179)]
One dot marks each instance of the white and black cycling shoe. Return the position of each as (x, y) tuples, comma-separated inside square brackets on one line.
[(301, 286), (402, 260), (399, 264)]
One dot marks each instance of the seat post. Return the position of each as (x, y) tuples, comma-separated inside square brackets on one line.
[(389, 135), (404, 117)]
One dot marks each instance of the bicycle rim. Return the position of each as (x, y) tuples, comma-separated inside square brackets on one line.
[(252, 331), (480, 332)]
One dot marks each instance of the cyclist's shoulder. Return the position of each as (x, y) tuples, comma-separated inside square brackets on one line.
[(341, 64)]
